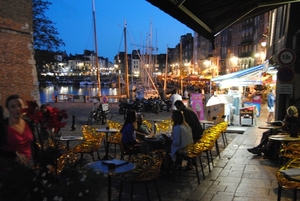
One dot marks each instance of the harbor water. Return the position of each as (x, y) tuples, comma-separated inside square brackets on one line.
[(48, 93)]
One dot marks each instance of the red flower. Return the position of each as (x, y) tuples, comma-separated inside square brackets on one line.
[(51, 119)]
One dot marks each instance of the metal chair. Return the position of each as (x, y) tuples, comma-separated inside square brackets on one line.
[(285, 177), (92, 142), (115, 138), (192, 152), (146, 171)]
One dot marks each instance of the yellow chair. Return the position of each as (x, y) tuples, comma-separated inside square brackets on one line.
[(147, 169), (285, 180), (67, 159), (148, 124), (192, 152), (223, 127), (115, 138), (132, 150), (208, 141), (290, 150), (92, 142)]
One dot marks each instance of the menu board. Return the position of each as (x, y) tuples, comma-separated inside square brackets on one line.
[(246, 115)]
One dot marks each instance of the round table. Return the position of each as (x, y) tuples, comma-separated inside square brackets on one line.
[(271, 127), (284, 138), (107, 132), (67, 139), (159, 142), (121, 167)]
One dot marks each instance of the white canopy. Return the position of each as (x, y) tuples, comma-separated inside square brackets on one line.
[(246, 77)]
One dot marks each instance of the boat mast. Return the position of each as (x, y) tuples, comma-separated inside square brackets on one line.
[(126, 62), (180, 66), (166, 71), (96, 49)]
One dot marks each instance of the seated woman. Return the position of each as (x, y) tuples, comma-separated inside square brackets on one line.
[(129, 133), (129, 128), (181, 133)]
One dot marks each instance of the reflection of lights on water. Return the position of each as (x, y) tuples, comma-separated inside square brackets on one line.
[(113, 91), (63, 90), (47, 92)]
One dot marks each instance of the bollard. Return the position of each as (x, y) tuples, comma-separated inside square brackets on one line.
[(73, 127)]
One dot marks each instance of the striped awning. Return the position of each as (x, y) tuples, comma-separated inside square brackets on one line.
[(246, 77)]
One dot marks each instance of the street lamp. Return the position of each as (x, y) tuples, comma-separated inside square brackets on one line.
[(263, 50)]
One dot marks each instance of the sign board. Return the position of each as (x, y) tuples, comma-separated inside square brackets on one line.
[(246, 115), (285, 74), (197, 105), (285, 88), (286, 57)]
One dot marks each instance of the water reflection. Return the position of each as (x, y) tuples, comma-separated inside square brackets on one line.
[(48, 93)]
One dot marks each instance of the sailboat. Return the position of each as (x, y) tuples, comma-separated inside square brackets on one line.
[(147, 88), (96, 48), (85, 82)]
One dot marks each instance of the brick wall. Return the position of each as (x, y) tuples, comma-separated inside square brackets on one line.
[(17, 64)]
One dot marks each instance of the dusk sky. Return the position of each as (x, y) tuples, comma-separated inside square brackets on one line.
[(74, 21)]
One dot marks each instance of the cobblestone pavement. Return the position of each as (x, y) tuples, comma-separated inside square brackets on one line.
[(237, 174)]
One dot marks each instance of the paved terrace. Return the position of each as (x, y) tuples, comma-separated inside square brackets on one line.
[(237, 176)]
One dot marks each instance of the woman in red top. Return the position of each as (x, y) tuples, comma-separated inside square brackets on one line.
[(18, 137)]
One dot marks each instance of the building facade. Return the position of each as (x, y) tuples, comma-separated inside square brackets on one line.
[(16, 60)]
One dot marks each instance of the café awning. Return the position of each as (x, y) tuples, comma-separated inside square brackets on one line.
[(208, 18), (246, 77)]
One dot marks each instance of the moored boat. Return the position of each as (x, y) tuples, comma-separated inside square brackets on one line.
[(86, 83)]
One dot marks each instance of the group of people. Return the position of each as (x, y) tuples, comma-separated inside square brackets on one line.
[(186, 130)]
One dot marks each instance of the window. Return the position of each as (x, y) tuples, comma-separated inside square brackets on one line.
[(283, 20)]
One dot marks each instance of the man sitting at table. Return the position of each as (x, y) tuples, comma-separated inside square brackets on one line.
[(191, 119), (271, 148)]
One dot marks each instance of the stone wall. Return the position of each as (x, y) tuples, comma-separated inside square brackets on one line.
[(17, 65)]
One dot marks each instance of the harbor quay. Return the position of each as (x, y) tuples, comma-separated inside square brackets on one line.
[(237, 175)]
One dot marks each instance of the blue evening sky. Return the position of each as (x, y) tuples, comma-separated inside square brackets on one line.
[(74, 22)]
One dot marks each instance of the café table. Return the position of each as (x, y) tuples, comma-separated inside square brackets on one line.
[(107, 132), (271, 127), (105, 167), (284, 138), (203, 122), (67, 139), (159, 142)]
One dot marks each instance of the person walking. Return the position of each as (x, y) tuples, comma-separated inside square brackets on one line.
[(174, 98), (270, 102)]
